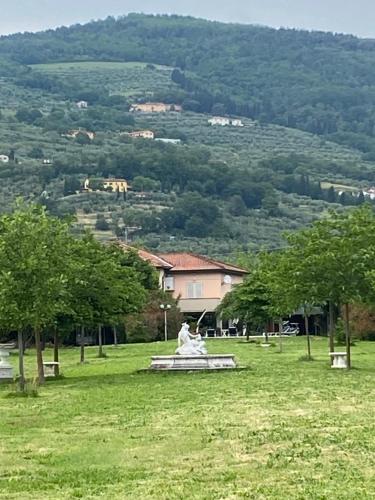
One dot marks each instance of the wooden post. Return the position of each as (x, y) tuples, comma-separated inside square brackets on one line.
[(56, 351), (100, 341), (82, 350), (20, 361), (39, 356), (347, 337), (280, 335), (307, 335), (331, 329)]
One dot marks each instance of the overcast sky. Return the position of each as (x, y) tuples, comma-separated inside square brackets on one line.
[(345, 16)]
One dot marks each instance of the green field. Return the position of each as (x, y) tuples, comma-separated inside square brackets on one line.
[(280, 429)]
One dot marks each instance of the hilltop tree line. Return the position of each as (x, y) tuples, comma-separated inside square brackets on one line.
[(323, 83)]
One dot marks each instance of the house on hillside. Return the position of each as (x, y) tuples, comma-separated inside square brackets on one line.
[(199, 283), (237, 123), (168, 141), (224, 122), (119, 185), (141, 134), (369, 193), (154, 107), (4, 158), (82, 104), (219, 120)]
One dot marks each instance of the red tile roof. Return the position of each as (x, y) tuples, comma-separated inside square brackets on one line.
[(186, 261), (153, 259)]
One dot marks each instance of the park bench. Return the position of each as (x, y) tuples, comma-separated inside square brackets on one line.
[(339, 359), (49, 368), (8, 346)]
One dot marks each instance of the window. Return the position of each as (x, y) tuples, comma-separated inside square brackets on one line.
[(195, 290), (169, 283)]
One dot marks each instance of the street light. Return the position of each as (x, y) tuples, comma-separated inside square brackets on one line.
[(165, 308)]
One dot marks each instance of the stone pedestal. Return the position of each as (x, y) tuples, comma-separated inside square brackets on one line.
[(339, 360), (6, 369), (49, 368), (187, 363)]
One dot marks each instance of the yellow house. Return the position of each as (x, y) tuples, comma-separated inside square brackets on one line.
[(120, 185)]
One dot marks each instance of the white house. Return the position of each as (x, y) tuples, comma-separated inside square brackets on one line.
[(370, 193), (168, 141), (237, 123), (4, 158), (142, 134), (82, 104), (219, 120)]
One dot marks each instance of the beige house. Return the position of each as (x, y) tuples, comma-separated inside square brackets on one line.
[(199, 283), (155, 107), (142, 134)]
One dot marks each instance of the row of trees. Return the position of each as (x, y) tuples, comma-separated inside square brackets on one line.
[(330, 264), (52, 281)]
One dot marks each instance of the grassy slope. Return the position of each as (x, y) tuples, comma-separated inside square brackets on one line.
[(282, 429)]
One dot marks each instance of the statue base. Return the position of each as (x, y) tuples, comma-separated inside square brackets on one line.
[(203, 362)]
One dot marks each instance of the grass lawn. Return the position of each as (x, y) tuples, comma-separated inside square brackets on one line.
[(280, 429)]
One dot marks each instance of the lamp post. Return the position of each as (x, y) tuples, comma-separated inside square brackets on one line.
[(165, 308)]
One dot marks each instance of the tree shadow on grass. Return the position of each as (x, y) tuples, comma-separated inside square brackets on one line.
[(136, 376)]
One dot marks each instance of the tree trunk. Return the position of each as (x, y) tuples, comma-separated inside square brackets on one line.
[(347, 337), (39, 356), (20, 361), (82, 350), (331, 329), (308, 337), (56, 352), (247, 332), (115, 336), (100, 341), (266, 332), (280, 335)]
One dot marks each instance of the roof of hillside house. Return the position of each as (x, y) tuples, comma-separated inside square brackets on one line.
[(186, 261), (154, 260)]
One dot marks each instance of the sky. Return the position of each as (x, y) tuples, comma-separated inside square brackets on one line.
[(343, 16)]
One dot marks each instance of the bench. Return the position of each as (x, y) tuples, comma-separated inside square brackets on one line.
[(9, 346), (339, 359), (49, 368)]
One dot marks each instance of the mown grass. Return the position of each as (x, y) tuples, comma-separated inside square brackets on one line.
[(279, 429)]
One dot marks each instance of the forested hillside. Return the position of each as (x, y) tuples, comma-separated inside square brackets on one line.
[(318, 82), (213, 189)]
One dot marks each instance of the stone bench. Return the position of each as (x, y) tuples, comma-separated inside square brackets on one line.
[(49, 368), (339, 359), (204, 362), (6, 369)]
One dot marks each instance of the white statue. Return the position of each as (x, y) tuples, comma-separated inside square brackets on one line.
[(190, 344)]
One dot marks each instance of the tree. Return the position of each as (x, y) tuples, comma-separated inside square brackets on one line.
[(333, 262), (103, 288), (33, 274)]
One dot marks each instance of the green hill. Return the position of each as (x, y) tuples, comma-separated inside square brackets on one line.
[(222, 189), (319, 82)]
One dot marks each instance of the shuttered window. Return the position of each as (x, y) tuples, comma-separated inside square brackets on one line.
[(195, 290)]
